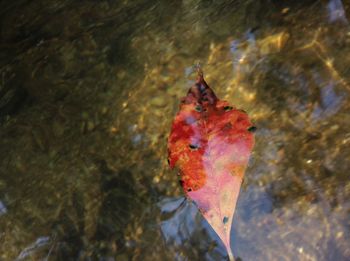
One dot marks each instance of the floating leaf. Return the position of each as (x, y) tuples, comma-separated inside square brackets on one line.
[(210, 143)]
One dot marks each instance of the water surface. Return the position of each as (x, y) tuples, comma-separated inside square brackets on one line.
[(88, 90)]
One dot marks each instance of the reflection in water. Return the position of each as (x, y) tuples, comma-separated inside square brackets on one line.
[(28, 251), (74, 76), (3, 209), (336, 11), (183, 227), (330, 103)]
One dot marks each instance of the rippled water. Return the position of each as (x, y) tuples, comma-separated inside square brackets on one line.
[(88, 90)]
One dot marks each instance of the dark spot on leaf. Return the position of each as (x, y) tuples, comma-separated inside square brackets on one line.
[(252, 129), (228, 108), (168, 161), (189, 189), (198, 108), (227, 126), (200, 87), (181, 182), (225, 220), (193, 146)]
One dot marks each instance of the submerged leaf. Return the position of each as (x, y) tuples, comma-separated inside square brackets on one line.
[(210, 143)]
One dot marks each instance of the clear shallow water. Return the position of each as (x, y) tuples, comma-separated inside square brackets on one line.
[(87, 94)]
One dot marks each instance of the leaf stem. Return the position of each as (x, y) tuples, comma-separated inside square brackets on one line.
[(230, 254), (199, 72)]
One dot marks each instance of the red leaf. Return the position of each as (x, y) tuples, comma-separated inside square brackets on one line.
[(210, 142)]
